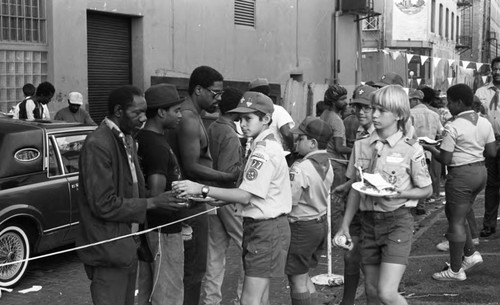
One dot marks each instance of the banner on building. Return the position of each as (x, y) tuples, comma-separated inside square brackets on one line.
[(410, 20)]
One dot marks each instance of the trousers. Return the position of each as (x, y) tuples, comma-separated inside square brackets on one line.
[(223, 227), (112, 286), (160, 282)]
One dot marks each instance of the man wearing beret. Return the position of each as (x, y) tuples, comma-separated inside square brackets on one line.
[(161, 280)]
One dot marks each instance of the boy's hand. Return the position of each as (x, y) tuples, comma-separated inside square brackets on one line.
[(341, 190), (343, 239)]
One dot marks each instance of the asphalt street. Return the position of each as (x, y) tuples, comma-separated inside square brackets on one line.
[(63, 280)]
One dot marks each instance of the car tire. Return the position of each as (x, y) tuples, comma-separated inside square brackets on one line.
[(14, 246)]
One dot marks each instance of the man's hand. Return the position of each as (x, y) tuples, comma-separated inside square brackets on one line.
[(167, 201)]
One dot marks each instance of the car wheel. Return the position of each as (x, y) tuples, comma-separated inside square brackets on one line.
[(14, 246)]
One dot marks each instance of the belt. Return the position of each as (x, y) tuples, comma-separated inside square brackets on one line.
[(252, 220), (478, 163), (386, 215), (317, 219)]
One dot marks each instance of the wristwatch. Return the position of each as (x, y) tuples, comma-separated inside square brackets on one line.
[(204, 191)]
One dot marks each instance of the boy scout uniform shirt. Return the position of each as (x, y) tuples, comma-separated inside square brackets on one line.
[(466, 137), (266, 177), (400, 161), (311, 180), (360, 134), (490, 100)]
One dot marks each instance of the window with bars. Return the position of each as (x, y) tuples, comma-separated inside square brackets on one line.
[(23, 21), (371, 24), (244, 12)]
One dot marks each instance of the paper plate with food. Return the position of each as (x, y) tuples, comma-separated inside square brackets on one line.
[(374, 185), (428, 141), (198, 198)]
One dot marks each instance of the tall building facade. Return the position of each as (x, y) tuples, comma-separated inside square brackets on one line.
[(420, 34), (93, 46)]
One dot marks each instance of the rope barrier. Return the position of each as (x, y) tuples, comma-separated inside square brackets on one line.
[(107, 240)]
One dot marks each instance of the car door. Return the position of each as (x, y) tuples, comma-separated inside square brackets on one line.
[(69, 146)]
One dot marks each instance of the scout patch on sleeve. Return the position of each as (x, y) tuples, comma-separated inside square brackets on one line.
[(254, 163), (251, 174), (421, 158), (444, 133)]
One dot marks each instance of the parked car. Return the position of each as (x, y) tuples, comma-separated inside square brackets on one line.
[(38, 187)]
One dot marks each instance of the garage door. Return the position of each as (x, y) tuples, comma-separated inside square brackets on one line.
[(109, 58)]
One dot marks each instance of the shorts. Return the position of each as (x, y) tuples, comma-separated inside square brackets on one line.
[(265, 246), (386, 237), (307, 240), (355, 226)]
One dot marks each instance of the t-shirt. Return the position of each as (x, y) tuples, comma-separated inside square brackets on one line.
[(337, 125), (280, 118), (156, 157), (466, 137), (81, 116)]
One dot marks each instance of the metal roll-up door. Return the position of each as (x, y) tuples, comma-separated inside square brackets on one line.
[(109, 58)]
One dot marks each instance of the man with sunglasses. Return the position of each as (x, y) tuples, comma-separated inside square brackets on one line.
[(190, 144)]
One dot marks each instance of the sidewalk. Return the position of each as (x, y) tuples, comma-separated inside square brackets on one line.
[(279, 292), (481, 286)]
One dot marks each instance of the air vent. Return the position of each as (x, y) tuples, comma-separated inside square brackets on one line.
[(244, 12)]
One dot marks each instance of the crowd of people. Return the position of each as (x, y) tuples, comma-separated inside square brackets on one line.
[(154, 163)]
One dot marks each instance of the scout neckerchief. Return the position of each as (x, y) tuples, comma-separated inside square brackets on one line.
[(128, 144), (321, 163), (470, 116)]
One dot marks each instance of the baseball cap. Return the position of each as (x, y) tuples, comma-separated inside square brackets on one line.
[(258, 82), (416, 94), (363, 95), (162, 96), (75, 98), (254, 101), (315, 128), (390, 78)]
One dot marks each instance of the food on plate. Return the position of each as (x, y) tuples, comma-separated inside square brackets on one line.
[(377, 183), (427, 140)]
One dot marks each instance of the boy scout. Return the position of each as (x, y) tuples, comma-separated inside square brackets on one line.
[(264, 198), (311, 180)]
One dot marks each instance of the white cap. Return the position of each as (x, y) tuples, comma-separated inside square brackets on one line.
[(75, 98)]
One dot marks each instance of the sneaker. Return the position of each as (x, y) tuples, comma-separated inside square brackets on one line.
[(443, 246), (472, 261), (448, 275), (475, 241)]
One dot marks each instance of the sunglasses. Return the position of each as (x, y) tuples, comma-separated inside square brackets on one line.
[(215, 94)]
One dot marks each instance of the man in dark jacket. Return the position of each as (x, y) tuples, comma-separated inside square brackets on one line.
[(113, 199)]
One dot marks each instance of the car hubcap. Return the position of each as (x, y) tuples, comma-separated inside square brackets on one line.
[(11, 249)]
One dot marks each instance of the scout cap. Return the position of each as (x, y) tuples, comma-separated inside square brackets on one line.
[(314, 128), (254, 101), (390, 78), (363, 95), (162, 96), (415, 94), (75, 98)]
